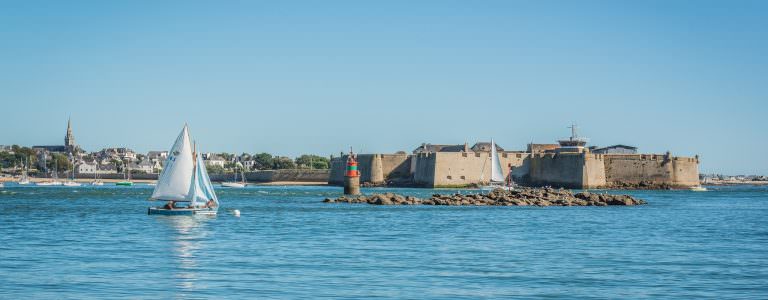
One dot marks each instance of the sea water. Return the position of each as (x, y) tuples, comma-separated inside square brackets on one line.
[(99, 242)]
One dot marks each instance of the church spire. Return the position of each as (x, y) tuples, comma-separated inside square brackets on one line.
[(69, 139)]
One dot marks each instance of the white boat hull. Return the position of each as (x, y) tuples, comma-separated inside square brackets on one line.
[(233, 184), (182, 211), (49, 183), (698, 189), (72, 184)]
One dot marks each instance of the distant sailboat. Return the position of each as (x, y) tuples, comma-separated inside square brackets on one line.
[(96, 180), (497, 176), (71, 182), (126, 176), (184, 179), (24, 180), (54, 175), (235, 183)]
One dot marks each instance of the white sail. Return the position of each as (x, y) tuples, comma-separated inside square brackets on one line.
[(174, 181), (201, 189), (496, 174)]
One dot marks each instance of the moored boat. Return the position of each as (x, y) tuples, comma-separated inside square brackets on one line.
[(235, 183), (698, 188), (184, 179), (126, 177), (71, 182), (96, 181), (24, 180), (54, 176)]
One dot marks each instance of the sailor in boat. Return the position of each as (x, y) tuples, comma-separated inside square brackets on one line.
[(170, 205), (210, 204)]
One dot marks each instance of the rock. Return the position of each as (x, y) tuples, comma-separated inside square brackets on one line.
[(499, 197)]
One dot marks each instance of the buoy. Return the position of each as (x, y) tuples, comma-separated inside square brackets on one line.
[(236, 212)]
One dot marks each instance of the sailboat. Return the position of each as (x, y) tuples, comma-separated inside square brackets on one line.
[(96, 180), (71, 182), (126, 176), (54, 175), (184, 179), (24, 180), (497, 176), (235, 183)]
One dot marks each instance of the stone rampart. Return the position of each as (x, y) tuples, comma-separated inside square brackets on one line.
[(634, 169)]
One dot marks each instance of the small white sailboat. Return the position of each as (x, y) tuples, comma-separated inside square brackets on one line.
[(497, 176), (235, 183), (71, 182), (698, 188), (184, 179), (24, 180), (96, 181), (54, 176)]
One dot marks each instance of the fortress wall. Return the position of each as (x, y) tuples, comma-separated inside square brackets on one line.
[(424, 169), (337, 168), (686, 171), (396, 167), (594, 171), (652, 168), (560, 170), (520, 163), (461, 168), (467, 168), (374, 168)]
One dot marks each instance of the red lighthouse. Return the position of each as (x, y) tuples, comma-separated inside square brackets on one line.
[(352, 176)]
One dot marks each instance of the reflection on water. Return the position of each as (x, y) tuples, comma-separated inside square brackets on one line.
[(188, 235)]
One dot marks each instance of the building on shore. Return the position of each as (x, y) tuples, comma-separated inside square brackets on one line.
[(568, 164)]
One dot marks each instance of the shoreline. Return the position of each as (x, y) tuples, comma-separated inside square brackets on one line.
[(81, 180)]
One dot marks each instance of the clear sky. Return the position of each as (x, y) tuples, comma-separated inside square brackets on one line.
[(291, 77)]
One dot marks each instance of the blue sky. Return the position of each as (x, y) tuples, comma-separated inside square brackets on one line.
[(291, 77)]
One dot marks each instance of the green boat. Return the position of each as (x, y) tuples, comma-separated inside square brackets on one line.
[(126, 177)]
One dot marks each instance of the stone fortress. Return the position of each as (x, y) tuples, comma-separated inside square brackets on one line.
[(567, 164)]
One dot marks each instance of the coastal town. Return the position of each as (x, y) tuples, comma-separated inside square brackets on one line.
[(569, 163), (70, 159)]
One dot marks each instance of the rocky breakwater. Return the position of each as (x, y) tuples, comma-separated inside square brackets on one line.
[(499, 197)]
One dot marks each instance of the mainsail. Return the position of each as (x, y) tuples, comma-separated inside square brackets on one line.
[(174, 182), (496, 174)]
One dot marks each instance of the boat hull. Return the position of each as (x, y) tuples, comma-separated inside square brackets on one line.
[(181, 211), (124, 183), (233, 184)]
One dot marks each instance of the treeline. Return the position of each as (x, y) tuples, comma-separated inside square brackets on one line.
[(266, 161), (18, 156)]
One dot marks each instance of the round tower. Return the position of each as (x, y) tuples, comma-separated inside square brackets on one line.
[(352, 176)]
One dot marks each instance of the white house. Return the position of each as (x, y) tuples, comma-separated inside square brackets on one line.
[(215, 160), (91, 167)]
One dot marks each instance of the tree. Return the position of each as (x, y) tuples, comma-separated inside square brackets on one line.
[(263, 161), (310, 161), (58, 161), (226, 156), (284, 163), (215, 169)]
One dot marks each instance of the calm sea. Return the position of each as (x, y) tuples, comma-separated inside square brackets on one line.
[(98, 242)]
